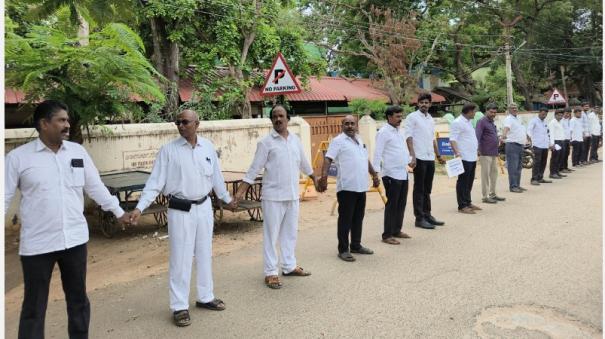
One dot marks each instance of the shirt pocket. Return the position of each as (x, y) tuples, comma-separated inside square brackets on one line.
[(78, 177)]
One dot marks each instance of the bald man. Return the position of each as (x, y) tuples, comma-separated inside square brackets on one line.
[(350, 155), (186, 170)]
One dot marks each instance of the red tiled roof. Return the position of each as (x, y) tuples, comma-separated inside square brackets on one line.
[(12, 96)]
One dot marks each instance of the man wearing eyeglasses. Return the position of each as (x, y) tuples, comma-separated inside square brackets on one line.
[(186, 170)]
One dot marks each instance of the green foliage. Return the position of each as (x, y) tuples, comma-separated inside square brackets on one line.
[(365, 106), (494, 89), (97, 81)]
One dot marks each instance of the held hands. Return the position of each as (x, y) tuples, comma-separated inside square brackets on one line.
[(134, 216), (233, 204), (322, 184), (375, 181), (125, 218), (412, 163), (442, 161)]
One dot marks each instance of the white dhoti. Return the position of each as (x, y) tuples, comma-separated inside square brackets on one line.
[(190, 235), (280, 223)]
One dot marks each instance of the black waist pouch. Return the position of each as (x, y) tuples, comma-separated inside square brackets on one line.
[(179, 204)]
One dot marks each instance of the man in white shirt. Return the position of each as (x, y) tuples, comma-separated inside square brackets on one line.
[(577, 138), (557, 137), (566, 142), (281, 155), (420, 133), (537, 131), (586, 132), (515, 138), (464, 144), (348, 152), (595, 136), (391, 159), (52, 174), (186, 170)]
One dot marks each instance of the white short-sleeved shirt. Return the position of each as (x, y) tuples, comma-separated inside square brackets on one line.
[(185, 172), (595, 125), (351, 158), (421, 128), (566, 128), (577, 129), (556, 131), (463, 133), (516, 131), (52, 189), (391, 155), (538, 132), (283, 159)]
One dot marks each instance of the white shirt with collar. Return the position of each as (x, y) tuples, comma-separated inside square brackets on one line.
[(594, 124), (421, 128), (577, 129), (52, 199), (185, 172), (463, 133), (556, 131), (566, 128), (585, 124), (351, 158), (516, 131), (283, 160), (538, 132), (391, 155)]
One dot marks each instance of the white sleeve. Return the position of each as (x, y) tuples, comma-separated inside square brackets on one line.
[(218, 181), (96, 190), (260, 159), (410, 124), (333, 149), (530, 128), (551, 134), (305, 167), (381, 139), (11, 179), (156, 181), (455, 131), (507, 123)]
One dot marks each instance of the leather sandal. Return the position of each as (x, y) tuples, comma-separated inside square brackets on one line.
[(402, 235), (181, 318), (215, 305), (391, 241), (297, 272), (272, 281)]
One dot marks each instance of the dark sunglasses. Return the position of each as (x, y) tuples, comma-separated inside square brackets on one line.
[(184, 122)]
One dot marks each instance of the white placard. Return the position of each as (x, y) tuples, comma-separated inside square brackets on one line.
[(454, 167), (557, 147)]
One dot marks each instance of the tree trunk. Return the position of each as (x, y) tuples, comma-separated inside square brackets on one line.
[(522, 84), (75, 128), (83, 30), (165, 58)]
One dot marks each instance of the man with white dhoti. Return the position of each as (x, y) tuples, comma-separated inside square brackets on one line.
[(186, 170), (281, 156)]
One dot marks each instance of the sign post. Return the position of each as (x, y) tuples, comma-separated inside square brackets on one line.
[(280, 80)]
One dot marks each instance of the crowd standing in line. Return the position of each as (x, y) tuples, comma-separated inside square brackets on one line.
[(52, 175)]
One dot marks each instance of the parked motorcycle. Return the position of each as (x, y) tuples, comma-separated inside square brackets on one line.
[(527, 159)]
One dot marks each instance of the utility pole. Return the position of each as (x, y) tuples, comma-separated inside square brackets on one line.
[(507, 46), (564, 86)]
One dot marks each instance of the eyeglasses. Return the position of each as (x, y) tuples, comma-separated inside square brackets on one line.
[(185, 122)]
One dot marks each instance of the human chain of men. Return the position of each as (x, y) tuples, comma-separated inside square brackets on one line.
[(53, 174)]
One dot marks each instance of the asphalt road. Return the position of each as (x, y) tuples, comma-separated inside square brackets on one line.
[(529, 267)]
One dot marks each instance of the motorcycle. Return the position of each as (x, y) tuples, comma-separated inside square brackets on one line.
[(527, 158)]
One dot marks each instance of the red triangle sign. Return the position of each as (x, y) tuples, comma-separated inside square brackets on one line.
[(556, 98), (280, 79)]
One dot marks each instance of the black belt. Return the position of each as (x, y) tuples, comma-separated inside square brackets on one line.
[(195, 202)]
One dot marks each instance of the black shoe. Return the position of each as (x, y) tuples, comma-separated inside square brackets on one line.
[(516, 190), (522, 188), (535, 183), (489, 200), (424, 224), (497, 198), (542, 181), (431, 219), (362, 250), (555, 176), (561, 175)]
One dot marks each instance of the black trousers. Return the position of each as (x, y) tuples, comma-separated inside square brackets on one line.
[(423, 184), (555, 158), (351, 210), (540, 158), (594, 146), (37, 271), (397, 196), (577, 152), (565, 156), (464, 185), (585, 149)]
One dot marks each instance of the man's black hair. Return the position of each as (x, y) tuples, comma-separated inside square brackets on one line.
[(46, 109), (491, 105), (425, 96), (392, 110), (276, 106), (468, 107)]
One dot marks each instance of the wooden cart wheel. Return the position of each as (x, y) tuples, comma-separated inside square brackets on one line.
[(109, 224), (161, 218), (253, 193)]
